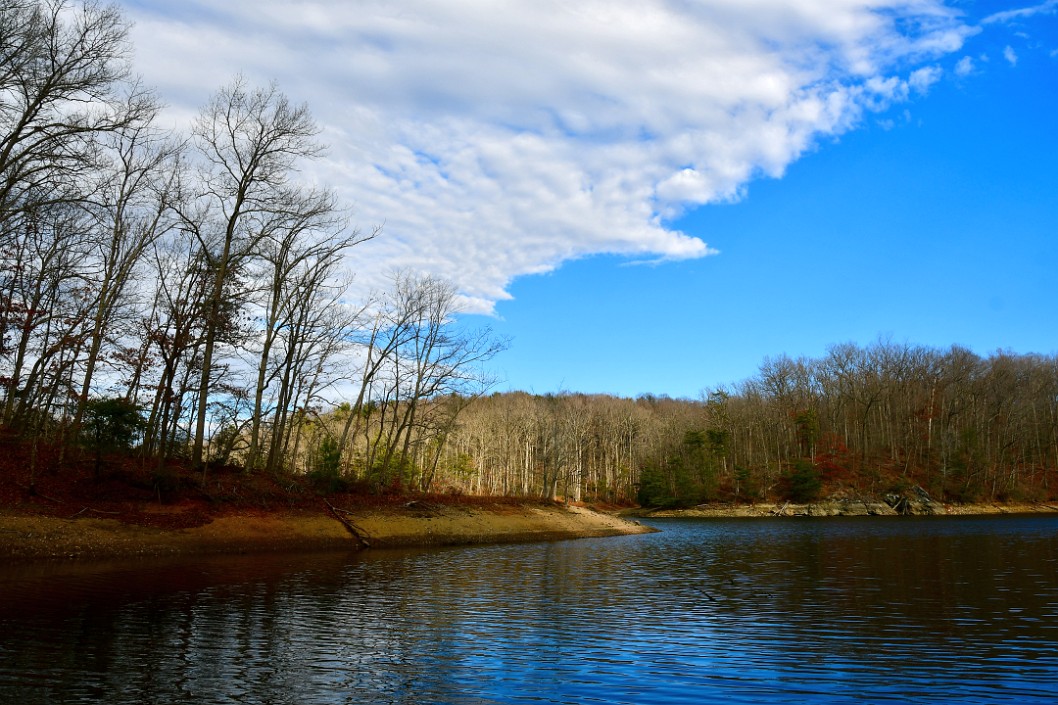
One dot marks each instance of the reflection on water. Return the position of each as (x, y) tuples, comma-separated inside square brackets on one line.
[(839, 611)]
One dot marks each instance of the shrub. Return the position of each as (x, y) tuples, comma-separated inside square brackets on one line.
[(326, 470), (111, 424), (804, 482)]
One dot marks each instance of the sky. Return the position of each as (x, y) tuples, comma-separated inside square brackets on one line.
[(653, 196)]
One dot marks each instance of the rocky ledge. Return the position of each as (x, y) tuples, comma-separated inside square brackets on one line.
[(915, 502)]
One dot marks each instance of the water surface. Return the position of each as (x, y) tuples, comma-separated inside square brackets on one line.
[(743, 610)]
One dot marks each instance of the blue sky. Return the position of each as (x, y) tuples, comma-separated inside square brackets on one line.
[(650, 196), (939, 230), (934, 223)]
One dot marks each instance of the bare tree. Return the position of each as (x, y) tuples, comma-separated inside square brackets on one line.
[(415, 354), (44, 307), (174, 331), (64, 88), (438, 356), (375, 348), (250, 142), (64, 82), (131, 210), (318, 325), (297, 270)]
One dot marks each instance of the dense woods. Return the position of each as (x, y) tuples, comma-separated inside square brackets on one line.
[(859, 422), (184, 299)]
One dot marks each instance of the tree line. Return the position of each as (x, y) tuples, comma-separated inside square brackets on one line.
[(859, 422), (189, 293)]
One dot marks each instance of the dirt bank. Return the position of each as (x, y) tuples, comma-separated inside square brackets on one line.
[(417, 523)]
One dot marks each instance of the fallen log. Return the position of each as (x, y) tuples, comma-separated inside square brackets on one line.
[(360, 534)]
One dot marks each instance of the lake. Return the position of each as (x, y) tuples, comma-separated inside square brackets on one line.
[(902, 609)]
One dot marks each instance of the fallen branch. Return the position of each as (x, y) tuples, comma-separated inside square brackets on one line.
[(360, 534), (97, 511)]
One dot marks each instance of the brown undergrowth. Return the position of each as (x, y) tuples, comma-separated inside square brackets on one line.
[(60, 504), (65, 483)]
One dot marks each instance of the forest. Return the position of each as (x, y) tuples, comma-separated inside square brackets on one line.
[(860, 422), (185, 301)]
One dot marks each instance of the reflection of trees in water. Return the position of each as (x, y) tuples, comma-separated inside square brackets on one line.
[(898, 607), (914, 594)]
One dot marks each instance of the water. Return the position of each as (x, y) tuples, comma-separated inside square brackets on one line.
[(741, 611)]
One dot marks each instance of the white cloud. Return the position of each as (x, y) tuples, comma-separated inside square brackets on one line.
[(921, 79), (965, 66), (1049, 7), (498, 140), (1010, 55)]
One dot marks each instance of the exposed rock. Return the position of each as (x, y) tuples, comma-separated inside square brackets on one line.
[(915, 501)]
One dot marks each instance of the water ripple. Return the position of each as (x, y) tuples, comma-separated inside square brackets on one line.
[(739, 611)]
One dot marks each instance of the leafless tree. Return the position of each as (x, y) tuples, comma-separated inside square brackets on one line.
[(65, 89), (130, 210), (251, 142), (64, 83), (299, 298)]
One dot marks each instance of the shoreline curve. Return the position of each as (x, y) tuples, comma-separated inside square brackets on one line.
[(27, 536)]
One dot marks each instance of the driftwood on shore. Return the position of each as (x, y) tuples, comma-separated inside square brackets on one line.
[(357, 532)]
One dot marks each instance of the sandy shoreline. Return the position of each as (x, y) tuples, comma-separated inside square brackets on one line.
[(28, 536), (31, 537)]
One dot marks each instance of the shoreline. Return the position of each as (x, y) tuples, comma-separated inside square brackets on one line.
[(845, 508), (30, 537), (27, 536)]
